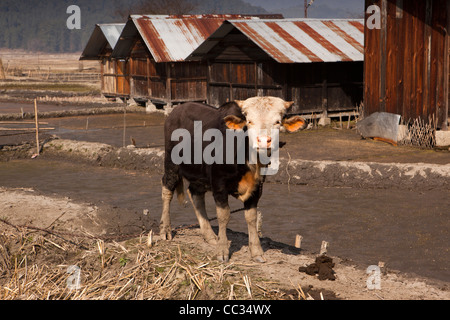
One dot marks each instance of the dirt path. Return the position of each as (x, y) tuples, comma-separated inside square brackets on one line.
[(325, 158), (279, 278)]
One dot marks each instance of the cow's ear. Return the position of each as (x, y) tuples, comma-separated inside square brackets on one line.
[(294, 124), (234, 123), (288, 104), (240, 103)]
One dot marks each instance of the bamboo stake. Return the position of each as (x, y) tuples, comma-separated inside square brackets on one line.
[(21, 122), (124, 124), (324, 248), (150, 239), (37, 126), (298, 241), (24, 129), (259, 219)]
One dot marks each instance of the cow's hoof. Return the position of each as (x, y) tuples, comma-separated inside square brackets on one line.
[(211, 241), (210, 238), (259, 259), (223, 258)]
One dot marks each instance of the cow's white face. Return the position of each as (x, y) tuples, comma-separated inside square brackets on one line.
[(264, 118)]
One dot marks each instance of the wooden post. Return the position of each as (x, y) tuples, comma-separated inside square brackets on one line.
[(2, 71), (323, 248), (124, 124), (37, 126), (298, 241), (168, 86), (259, 218), (150, 239)]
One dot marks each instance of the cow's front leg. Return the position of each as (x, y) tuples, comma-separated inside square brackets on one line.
[(254, 244), (223, 216)]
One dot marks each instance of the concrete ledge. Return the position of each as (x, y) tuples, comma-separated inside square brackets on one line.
[(442, 138), (420, 176)]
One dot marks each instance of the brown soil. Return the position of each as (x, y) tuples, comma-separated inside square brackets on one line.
[(29, 257), (322, 157)]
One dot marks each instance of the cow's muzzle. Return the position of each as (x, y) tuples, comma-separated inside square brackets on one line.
[(264, 142)]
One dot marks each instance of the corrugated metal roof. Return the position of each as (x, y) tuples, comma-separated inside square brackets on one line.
[(298, 40), (103, 35), (170, 38)]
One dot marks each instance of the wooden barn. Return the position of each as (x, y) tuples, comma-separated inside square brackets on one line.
[(407, 59), (100, 47), (318, 64), (153, 50)]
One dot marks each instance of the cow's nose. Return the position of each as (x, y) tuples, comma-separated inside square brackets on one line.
[(264, 141)]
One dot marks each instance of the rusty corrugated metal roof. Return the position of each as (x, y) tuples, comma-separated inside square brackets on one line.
[(298, 40), (171, 38)]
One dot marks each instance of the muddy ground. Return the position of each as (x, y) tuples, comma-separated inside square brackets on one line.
[(73, 223), (322, 158)]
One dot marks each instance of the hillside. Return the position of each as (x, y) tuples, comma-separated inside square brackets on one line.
[(41, 25)]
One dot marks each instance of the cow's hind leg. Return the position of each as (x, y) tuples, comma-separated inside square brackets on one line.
[(223, 216), (170, 181), (198, 202)]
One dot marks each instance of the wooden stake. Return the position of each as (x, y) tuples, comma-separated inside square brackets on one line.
[(2, 71), (298, 241), (124, 124), (323, 248), (21, 122), (259, 223), (37, 126), (24, 129), (150, 239)]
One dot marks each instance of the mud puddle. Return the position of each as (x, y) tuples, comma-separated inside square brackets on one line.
[(407, 230)]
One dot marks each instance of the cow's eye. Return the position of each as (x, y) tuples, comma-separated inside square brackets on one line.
[(278, 122), (250, 123)]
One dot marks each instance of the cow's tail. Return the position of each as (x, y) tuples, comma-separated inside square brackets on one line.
[(180, 192)]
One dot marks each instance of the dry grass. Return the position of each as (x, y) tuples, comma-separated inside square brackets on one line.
[(420, 133), (40, 266)]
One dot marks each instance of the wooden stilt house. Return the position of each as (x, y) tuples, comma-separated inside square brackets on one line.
[(100, 47), (318, 64)]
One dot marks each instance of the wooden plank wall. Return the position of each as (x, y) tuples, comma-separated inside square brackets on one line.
[(314, 87), (173, 82), (139, 70), (406, 61), (238, 69), (108, 77)]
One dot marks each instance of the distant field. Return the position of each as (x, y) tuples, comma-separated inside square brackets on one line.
[(51, 72), (60, 62), (67, 87)]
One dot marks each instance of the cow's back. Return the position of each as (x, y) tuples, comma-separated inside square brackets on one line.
[(183, 117)]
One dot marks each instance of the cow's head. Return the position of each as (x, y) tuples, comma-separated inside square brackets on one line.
[(262, 116)]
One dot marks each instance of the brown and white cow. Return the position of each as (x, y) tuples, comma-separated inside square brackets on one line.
[(263, 116)]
